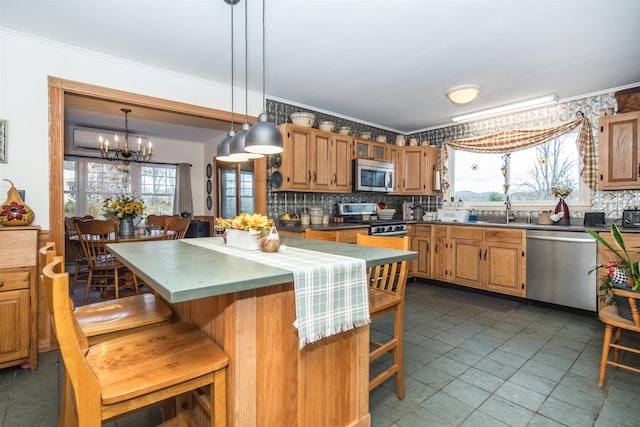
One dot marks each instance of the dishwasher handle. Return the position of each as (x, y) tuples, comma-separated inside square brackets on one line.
[(561, 239)]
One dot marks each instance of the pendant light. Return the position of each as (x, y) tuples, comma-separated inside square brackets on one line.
[(263, 137), (225, 145), (236, 148)]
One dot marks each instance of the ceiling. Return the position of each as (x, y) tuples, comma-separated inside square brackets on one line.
[(387, 63)]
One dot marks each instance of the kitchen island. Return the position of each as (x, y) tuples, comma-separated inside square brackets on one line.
[(249, 309)]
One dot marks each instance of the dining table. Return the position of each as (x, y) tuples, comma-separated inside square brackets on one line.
[(295, 323)]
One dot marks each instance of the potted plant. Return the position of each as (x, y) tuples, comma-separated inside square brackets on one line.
[(245, 230), (623, 274)]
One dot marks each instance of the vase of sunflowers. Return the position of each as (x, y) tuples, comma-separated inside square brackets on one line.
[(245, 231), (124, 208)]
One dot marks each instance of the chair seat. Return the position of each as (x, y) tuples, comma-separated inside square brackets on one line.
[(111, 316), (609, 314), (152, 360), (381, 302)]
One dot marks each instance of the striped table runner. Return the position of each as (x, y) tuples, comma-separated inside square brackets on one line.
[(331, 291)]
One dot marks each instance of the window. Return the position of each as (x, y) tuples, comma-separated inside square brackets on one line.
[(236, 189), (87, 182), (531, 174)]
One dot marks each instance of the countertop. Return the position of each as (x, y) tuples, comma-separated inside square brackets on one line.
[(321, 227), (579, 227), (180, 272)]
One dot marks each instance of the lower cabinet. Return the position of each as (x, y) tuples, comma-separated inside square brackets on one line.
[(18, 297), (421, 243), (493, 259)]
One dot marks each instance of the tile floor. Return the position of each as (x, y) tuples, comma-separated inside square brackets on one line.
[(471, 360)]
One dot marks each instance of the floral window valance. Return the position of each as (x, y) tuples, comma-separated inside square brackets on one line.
[(516, 140)]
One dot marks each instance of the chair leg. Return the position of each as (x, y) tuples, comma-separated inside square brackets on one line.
[(219, 398), (617, 340), (608, 332), (398, 354), (86, 292), (115, 283)]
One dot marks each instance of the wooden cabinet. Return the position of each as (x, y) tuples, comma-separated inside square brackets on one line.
[(441, 268), (368, 149), (18, 296), (505, 261), (466, 252), (415, 169), (619, 152), (421, 243), (493, 259), (315, 160)]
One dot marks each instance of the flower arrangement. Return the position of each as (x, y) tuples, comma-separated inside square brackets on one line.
[(624, 273), (123, 207), (256, 224), (560, 193)]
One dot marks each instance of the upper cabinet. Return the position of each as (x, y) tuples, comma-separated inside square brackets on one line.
[(415, 169), (314, 160), (368, 149), (618, 151)]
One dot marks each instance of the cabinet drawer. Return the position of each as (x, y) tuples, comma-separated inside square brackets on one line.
[(423, 230), (504, 235), (14, 278), (20, 247), (471, 233)]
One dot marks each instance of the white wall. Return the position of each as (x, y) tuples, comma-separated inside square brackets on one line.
[(25, 64)]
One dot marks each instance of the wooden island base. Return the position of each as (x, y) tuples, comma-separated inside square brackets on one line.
[(271, 382)]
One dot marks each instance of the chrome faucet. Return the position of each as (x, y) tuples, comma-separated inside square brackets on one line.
[(507, 203)]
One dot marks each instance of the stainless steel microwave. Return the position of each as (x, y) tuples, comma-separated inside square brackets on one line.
[(372, 175)]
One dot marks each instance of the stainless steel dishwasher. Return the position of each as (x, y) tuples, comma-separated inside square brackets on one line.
[(557, 266)]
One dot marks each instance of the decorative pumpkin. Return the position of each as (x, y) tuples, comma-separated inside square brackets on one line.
[(14, 211)]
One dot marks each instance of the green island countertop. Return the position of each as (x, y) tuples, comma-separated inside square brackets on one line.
[(179, 271)]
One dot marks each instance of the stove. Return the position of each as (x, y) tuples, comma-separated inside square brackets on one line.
[(362, 213)]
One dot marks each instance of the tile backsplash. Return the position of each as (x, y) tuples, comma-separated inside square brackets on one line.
[(610, 202)]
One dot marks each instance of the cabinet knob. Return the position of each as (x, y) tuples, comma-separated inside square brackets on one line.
[(1, 284)]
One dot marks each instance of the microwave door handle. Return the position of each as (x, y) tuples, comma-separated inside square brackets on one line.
[(387, 180)]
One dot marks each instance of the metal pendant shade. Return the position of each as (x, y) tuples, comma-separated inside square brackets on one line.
[(224, 148), (237, 145), (263, 137)]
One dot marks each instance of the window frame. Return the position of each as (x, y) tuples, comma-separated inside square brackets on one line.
[(581, 203)]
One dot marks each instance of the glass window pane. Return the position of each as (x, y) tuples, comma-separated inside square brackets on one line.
[(157, 188), (532, 173), (70, 188)]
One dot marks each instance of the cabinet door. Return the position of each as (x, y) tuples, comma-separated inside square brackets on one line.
[(466, 253), (393, 157), (414, 171), (361, 149), (505, 261), (378, 151), (342, 164), (298, 160), (430, 170), (14, 325), (440, 253), (618, 146), (322, 162)]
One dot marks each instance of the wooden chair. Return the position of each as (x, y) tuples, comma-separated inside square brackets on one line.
[(75, 247), (156, 220), (614, 327), (103, 266), (330, 236), (130, 372), (387, 284), (108, 319), (175, 227)]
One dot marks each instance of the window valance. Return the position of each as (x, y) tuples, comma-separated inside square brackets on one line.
[(520, 139)]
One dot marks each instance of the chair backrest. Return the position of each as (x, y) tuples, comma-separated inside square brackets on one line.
[(94, 236), (71, 340), (632, 297), (390, 277), (330, 236), (46, 254), (175, 227), (156, 220)]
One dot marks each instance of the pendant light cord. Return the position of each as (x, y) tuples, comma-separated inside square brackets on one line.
[(232, 68), (246, 63), (264, 84)]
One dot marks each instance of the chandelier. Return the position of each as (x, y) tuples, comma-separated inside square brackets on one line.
[(125, 155)]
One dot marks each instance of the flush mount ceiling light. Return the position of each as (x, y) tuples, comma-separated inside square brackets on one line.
[(509, 108), (463, 94)]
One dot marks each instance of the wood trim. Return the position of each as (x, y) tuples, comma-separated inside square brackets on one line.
[(58, 87)]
